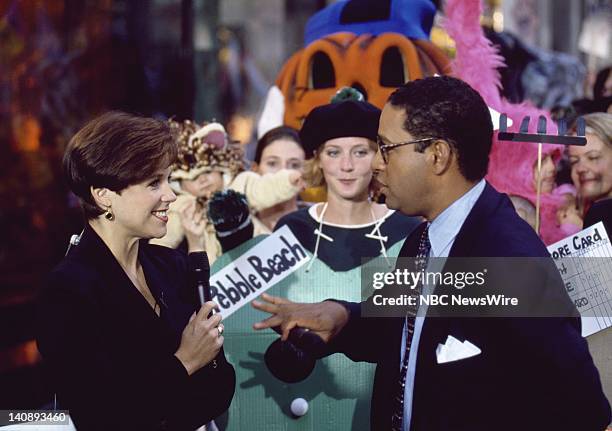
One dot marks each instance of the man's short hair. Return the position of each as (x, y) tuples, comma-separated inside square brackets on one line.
[(447, 108)]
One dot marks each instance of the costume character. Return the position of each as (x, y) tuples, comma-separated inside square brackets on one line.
[(207, 151), (390, 37), (336, 251)]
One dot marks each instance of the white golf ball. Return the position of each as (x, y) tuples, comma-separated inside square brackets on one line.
[(299, 406)]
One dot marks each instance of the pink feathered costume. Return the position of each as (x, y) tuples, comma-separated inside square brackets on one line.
[(511, 163)]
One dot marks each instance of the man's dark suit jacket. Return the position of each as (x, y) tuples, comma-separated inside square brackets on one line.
[(110, 358), (600, 211), (532, 374)]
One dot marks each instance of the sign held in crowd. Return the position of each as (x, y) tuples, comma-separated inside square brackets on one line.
[(583, 260), (254, 272)]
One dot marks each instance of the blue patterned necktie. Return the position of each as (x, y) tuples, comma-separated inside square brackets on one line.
[(420, 264)]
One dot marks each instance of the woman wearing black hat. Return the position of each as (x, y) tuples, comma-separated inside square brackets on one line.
[(339, 140)]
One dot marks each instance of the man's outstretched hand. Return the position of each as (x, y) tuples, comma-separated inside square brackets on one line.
[(325, 318)]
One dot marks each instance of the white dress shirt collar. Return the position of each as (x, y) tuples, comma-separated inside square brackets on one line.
[(445, 227)]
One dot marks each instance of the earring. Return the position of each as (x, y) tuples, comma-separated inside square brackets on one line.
[(108, 215)]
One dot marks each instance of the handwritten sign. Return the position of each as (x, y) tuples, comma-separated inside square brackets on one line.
[(258, 269), (585, 263)]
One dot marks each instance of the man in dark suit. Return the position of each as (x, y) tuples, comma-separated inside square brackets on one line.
[(522, 373)]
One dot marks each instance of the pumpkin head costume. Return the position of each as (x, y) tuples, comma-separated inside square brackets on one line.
[(373, 46)]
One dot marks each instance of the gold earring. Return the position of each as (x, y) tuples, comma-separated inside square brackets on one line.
[(108, 215)]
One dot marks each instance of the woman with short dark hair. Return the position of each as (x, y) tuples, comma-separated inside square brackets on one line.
[(125, 344)]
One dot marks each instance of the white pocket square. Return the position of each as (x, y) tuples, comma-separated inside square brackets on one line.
[(455, 350)]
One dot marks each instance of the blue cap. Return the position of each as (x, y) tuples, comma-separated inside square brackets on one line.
[(412, 18)]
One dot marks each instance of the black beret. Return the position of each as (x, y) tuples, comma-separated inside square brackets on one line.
[(339, 120)]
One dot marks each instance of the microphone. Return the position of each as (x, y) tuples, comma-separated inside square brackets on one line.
[(293, 360), (200, 275), (74, 241), (229, 212)]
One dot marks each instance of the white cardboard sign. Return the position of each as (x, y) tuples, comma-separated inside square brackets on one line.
[(587, 277), (257, 270)]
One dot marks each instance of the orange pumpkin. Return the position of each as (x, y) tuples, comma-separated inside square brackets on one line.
[(375, 65)]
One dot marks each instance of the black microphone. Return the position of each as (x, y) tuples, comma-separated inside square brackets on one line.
[(293, 360), (200, 276)]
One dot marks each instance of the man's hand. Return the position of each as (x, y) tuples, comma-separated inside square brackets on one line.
[(325, 319)]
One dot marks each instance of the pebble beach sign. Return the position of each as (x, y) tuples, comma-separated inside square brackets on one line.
[(257, 270)]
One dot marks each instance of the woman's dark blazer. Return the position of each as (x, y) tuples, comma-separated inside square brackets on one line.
[(110, 358)]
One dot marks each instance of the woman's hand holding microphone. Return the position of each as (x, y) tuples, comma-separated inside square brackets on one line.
[(201, 340)]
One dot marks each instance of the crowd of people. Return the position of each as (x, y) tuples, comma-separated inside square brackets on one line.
[(572, 178), (286, 161)]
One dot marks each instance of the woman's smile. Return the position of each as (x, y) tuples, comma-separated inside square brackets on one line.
[(161, 214)]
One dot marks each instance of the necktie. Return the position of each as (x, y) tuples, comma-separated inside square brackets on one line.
[(420, 263)]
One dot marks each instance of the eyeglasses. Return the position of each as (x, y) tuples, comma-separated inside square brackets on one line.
[(384, 148)]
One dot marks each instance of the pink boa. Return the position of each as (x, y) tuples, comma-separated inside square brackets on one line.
[(510, 163)]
